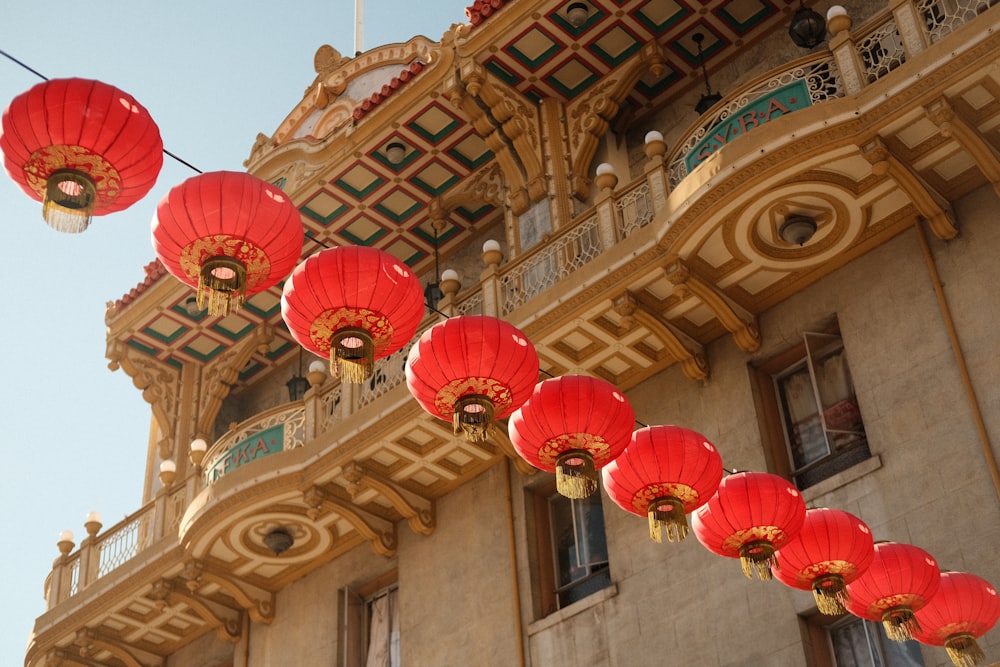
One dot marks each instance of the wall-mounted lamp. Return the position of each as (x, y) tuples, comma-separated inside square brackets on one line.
[(298, 385), (395, 152), (279, 541), (196, 450), (577, 13), (807, 28), (709, 99), (797, 229)]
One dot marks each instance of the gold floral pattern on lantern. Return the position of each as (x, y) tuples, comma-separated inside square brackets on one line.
[(331, 321), (498, 392), (599, 448), (253, 258), (682, 492), (734, 542), (45, 161)]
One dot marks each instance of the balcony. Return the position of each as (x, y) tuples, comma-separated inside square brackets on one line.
[(892, 117)]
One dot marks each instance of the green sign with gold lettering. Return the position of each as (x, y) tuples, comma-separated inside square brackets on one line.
[(255, 447), (786, 99)]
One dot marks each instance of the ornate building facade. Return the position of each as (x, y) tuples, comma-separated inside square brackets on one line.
[(803, 273)]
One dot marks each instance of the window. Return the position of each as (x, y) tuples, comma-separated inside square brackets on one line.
[(810, 413), (572, 549), (370, 624), (849, 641)]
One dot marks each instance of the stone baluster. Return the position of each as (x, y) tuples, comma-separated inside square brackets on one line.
[(656, 170), (60, 581), (313, 400), (449, 287), (90, 551), (838, 23), (606, 182), (490, 279), (910, 26)]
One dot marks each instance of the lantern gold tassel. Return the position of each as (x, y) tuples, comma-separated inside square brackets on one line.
[(757, 557), (575, 474), (666, 515), (830, 594), (69, 201), (473, 416), (222, 285), (900, 623), (352, 355), (964, 650)]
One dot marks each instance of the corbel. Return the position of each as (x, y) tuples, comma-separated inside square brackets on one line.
[(90, 643), (418, 511), (689, 353), (931, 205), (225, 620), (224, 370), (507, 447), (258, 603), (158, 382), (953, 126), (379, 532), (740, 323)]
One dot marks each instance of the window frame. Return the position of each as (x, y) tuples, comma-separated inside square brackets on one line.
[(546, 573), (354, 610), (775, 436), (817, 637)]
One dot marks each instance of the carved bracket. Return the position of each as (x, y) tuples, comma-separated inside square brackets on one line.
[(739, 322), (930, 204), (418, 511), (502, 440), (224, 370), (158, 382), (91, 643), (969, 138), (226, 620), (258, 603), (379, 532), (689, 353)]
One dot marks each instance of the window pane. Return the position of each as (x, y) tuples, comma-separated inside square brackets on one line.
[(805, 432), (851, 647), (588, 525), (579, 547)]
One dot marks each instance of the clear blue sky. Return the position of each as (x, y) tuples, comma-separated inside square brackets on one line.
[(213, 74)]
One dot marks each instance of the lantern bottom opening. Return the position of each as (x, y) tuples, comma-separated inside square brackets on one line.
[(68, 205), (352, 355), (473, 416), (830, 593), (576, 476), (222, 284), (964, 650), (666, 515), (757, 557), (900, 623)]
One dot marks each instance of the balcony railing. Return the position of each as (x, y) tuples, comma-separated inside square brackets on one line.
[(855, 60)]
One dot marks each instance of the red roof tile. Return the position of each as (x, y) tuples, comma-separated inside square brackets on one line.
[(387, 90), (482, 9), (154, 271)]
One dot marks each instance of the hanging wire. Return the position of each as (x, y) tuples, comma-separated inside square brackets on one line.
[(45, 78)]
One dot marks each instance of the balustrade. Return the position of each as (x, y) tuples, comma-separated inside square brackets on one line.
[(853, 62)]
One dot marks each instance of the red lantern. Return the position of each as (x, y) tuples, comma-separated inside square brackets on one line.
[(831, 550), (572, 425), (354, 304), (471, 370), (901, 580), (964, 608), (749, 517), (82, 148), (664, 473), (228, 234)]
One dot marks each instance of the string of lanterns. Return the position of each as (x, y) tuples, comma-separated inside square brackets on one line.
[(85, 148)]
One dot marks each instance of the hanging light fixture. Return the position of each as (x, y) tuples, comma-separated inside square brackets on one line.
[(395, 151), (832, 549), (665, 473), (797, 229), (807, 28), (572, 425), (709, 99), (229, 235), (898, 583), (964, 609), (577, 13), (472, 370), (297, 385), (82, 148), (750, 516), (352, 304)]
